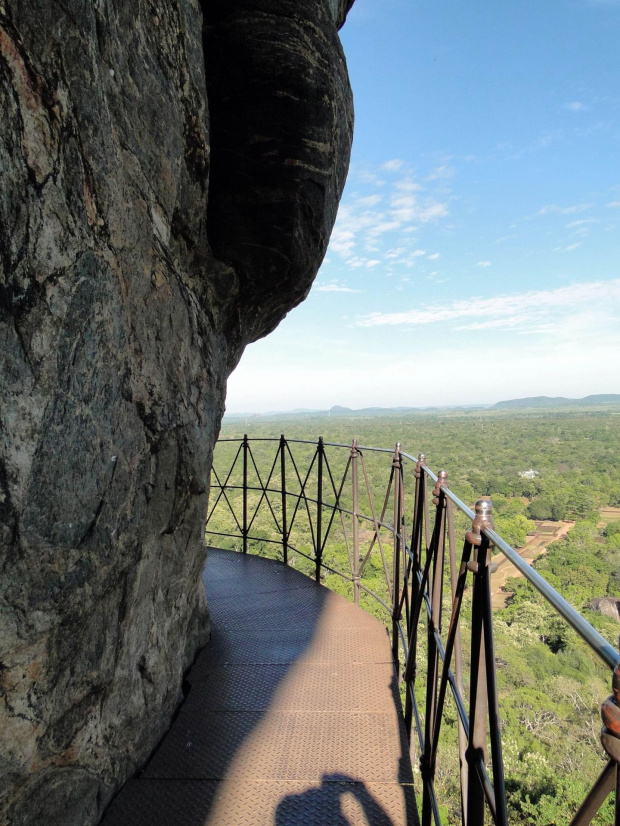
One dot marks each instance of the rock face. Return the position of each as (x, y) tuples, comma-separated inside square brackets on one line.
[(609, 606), (169, 179)]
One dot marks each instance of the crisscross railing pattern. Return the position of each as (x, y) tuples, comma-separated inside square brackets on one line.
[(402, 559)]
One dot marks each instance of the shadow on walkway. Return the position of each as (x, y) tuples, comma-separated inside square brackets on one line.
[(292, 716)]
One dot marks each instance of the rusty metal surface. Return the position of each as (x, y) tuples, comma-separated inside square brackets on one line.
[(292, 716), (318, 686), (199, 802), (282, 745), (229, 646)]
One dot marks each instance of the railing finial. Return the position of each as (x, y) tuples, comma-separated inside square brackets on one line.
[(483, 519), (442, 482), (418, 468), (396, 458)]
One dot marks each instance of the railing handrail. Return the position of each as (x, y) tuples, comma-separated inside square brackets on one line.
[(422, 590), (589, 634)]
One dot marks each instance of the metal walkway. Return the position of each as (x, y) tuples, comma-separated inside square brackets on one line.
[(292, 716)]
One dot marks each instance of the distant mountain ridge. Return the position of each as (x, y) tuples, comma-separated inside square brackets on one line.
[(338, 411), (558, 401)]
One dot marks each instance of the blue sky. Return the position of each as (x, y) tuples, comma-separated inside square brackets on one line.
[(476, 252)]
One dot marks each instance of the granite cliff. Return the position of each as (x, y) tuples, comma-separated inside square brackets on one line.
[(170, 174)]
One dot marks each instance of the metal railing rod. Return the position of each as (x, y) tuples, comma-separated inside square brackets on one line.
[(230, 439), (416, 714), (590, 635), (442, 653), (428, 782), (253, 538), (314, 501), (480, 767), (307, 442)]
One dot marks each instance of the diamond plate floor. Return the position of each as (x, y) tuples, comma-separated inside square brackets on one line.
[(292, 716)]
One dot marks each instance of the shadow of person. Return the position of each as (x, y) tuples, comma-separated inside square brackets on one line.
[(323, 805)]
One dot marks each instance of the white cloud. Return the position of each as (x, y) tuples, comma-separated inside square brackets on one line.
[(613, 204), (365, 176), (372, 263), (369, 200), (569, 248), (522, 309), (334, 287), (484, 263), (394, 165), (366, 221), (407, 185), (581, 222), (549, 208), (575, 106), (443, 172), (434, 256)]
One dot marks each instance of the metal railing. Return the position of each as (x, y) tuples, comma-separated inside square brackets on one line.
[(415, 538)]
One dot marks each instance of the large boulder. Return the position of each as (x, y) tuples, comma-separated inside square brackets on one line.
[(609, 606), (170, 176)]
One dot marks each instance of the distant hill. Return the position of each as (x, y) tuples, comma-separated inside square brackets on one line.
[(338, 411), (558, 401)]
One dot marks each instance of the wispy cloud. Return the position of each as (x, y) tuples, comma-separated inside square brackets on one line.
[(575, 106), (566, 210), (441, 173), (517, 310), (581, 222), (394, 165), (484, 263), (334, 287), (367, 223)]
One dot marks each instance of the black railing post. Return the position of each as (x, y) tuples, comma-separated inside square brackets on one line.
[(483, 685), (416, 550), (319, 512), (355, 571), (458, 657), (283, 494), (397, 466), (435, 589), (477, 694), (246, 447)]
